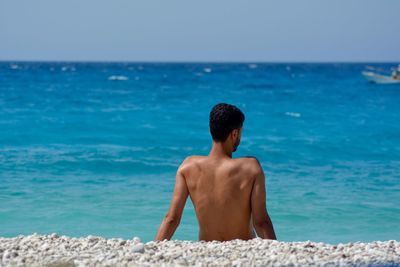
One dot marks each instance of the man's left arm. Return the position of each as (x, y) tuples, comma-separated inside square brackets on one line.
[(174, 214)]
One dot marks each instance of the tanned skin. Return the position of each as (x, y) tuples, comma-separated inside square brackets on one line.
[(228, 195)]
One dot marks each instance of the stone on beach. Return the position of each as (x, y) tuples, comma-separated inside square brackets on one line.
[(139, 247), (54, 250)]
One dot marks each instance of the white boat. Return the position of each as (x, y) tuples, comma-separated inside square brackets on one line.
[(379, 78)]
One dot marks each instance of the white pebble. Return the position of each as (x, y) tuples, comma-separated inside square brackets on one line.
[(6, 255), (138, 248)]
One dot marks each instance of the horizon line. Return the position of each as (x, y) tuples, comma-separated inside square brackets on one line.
[(198, 62)]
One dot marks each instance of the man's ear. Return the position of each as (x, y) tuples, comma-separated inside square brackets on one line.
[(235, 133)]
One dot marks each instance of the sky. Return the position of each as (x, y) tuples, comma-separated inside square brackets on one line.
[(203, 30)]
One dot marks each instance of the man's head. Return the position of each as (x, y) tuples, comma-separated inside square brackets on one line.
[(226, 122)]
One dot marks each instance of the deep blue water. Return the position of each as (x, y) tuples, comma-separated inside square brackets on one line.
[(82, 154)]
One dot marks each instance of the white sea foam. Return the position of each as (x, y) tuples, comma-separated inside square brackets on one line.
[(128, 107), (293, 114), (253, 66), (147, 126), (14, 66), (68, 68), (118, 78), (207, 70)]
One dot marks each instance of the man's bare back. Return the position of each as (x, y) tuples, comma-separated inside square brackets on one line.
[(221, 191), (228, 194)]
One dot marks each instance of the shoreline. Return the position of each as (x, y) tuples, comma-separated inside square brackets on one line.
[(54, 250)]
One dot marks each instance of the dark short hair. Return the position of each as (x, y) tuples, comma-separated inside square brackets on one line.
[(224, 118)]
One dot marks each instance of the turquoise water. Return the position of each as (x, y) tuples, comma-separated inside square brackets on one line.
[(86, 151)]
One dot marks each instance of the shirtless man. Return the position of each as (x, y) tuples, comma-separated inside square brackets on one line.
[(228, 194)]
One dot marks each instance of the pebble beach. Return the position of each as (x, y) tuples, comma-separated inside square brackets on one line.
[(54, 250)]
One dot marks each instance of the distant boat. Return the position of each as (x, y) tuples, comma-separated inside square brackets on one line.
[(373, 76)]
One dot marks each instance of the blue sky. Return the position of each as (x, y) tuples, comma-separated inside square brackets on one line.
[(205, 30)]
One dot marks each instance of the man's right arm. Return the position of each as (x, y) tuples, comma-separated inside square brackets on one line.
[(261, 220)]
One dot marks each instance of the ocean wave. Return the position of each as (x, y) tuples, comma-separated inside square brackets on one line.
[(118, 78), (16, 110), (122, 108), (259, 86), (147, 126), (80, 153), (14, 66), (68, 68), (293, 114)]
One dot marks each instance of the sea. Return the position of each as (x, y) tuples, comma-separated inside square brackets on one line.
[(93, 148)]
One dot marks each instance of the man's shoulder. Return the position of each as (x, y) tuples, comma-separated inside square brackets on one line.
[(193, 159), (249, 163), (190, 162), (249, 160)]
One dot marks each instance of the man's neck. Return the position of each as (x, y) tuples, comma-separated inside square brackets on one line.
[(220, 150)]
